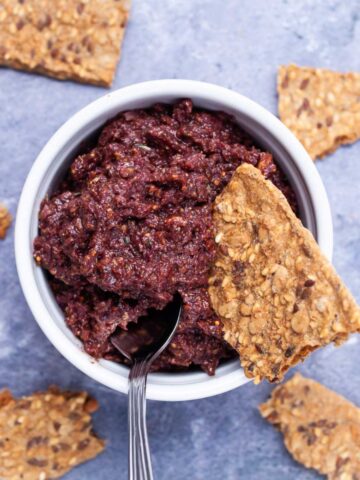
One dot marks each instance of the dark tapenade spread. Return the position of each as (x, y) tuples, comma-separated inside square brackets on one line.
[(131, 225)]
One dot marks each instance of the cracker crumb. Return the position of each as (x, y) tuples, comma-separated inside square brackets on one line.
[(5, 221), (321, 428)]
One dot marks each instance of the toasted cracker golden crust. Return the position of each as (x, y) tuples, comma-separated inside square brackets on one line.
[(276, 294), (45, 435), (320, 106), (5, 221), (321, 429), (65, 39)]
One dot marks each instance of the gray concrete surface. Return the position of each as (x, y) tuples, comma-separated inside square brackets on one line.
[(237, 44)]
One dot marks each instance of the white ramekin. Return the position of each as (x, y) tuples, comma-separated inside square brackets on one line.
[(53, 161)]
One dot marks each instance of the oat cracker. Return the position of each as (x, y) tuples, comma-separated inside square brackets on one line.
[(45, 435), (5, 221), (65, 39), (279, 298), (321, 429), (320, 106)]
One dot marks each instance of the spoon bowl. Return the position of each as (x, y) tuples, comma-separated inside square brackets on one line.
[(142, 343), (151, 334)]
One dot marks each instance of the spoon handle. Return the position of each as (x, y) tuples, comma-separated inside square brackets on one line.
[(139, 451)]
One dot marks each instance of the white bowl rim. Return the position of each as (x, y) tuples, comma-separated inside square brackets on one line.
[(196, 385)]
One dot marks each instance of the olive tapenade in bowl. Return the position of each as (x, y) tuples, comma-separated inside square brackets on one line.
[(117, 210)]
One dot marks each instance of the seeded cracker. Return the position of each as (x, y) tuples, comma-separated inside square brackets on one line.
[(277, 295), (45, 435), (320, 106), (321, 429), (65, 39), (5, 221)]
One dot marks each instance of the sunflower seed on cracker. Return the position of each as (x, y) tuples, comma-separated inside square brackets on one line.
[(5, 221), (321, 429), (45, 435), (65, 39), (277, 295), (321, 107)]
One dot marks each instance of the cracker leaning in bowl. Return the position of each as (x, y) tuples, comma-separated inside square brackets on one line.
[(321, 428), (278, 296), (63, 39)]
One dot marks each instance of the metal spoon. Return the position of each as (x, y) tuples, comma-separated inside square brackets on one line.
[(142, 343)]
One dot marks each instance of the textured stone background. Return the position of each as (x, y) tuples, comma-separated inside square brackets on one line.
[(238, 44)]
